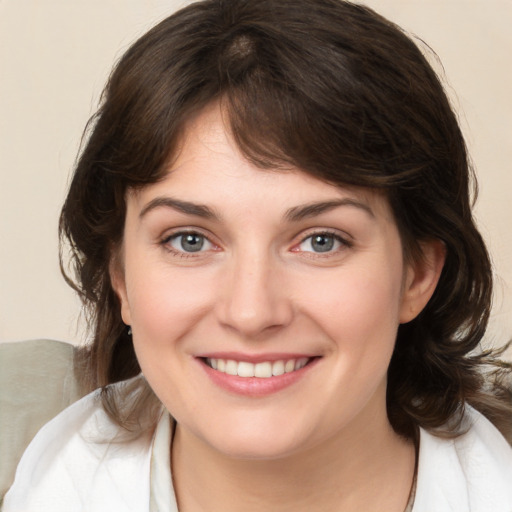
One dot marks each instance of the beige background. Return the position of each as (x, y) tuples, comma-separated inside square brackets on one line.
[(55, 56)]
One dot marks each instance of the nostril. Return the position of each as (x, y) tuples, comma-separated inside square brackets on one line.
[(253, 300)]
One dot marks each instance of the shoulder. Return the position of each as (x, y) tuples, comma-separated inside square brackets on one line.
[(470, 472), (82, 460)]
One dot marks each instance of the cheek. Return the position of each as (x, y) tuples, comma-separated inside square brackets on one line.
[(361, 319), (356, 303), (359, 312), (165, 304), (166, 307)]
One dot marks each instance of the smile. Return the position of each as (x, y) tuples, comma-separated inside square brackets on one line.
[(263, 370)]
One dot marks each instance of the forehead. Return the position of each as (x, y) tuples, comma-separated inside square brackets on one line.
[(209, 168)]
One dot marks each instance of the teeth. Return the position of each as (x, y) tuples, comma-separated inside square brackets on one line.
[(245, 369), (231, 367), (289, 366), (262, 370), (278, 368), (300, 363)]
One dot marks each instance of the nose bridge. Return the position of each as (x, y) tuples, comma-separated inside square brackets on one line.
[(254, 297)]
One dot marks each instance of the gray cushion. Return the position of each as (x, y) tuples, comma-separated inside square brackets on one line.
[(37, 381)]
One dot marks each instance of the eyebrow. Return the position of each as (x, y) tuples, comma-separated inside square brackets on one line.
[(199, 210), (306, 211), (294, 214)]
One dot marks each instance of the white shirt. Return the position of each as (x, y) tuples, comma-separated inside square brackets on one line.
[(83, 462)]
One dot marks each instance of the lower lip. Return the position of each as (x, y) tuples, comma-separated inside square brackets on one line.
[(256, 386)]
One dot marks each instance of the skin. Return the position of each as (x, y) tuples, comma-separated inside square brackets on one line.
[(259, 286)]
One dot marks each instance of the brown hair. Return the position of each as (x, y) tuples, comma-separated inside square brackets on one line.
[(338, 91)]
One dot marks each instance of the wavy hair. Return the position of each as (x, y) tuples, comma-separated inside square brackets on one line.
[(336, 90)]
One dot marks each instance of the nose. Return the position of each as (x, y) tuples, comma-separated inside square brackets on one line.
[(255, 301)]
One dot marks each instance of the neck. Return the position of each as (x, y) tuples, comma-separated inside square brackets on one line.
[(366, 467)]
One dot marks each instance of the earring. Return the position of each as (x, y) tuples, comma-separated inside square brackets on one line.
[(129, 330)]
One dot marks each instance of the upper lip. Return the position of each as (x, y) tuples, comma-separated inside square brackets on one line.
[(255, 358)]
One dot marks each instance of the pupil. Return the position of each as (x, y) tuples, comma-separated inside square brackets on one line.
[(192, 243), (322, 243)]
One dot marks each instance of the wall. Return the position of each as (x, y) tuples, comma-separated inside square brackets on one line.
[(54, 59)]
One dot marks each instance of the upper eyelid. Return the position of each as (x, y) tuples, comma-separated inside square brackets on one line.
[(341, 235), (171, 233)]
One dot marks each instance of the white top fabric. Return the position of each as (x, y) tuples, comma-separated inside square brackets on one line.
[(82, 461)]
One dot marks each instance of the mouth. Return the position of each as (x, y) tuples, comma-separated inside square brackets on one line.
[(261, 370), (257, 375)]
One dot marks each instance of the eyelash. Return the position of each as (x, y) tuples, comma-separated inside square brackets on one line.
[(166, 242), (342, 241)]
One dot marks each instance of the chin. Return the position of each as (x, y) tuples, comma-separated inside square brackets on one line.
[(261, 448), (257, 438)]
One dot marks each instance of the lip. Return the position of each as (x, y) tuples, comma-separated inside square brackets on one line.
[(255, 386), (254, 358)]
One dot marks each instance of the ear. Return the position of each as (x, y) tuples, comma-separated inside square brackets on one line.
[(421, 278), (118, 282)]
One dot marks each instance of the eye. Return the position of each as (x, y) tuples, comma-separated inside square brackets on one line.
[(322, 243), (188, 242)]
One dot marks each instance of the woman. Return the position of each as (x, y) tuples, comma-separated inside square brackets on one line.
[(271, 226)]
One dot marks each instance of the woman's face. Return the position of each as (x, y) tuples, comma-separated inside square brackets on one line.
[(264, 304)]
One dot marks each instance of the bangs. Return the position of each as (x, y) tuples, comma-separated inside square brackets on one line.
[(319, 113), (321, 97)]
